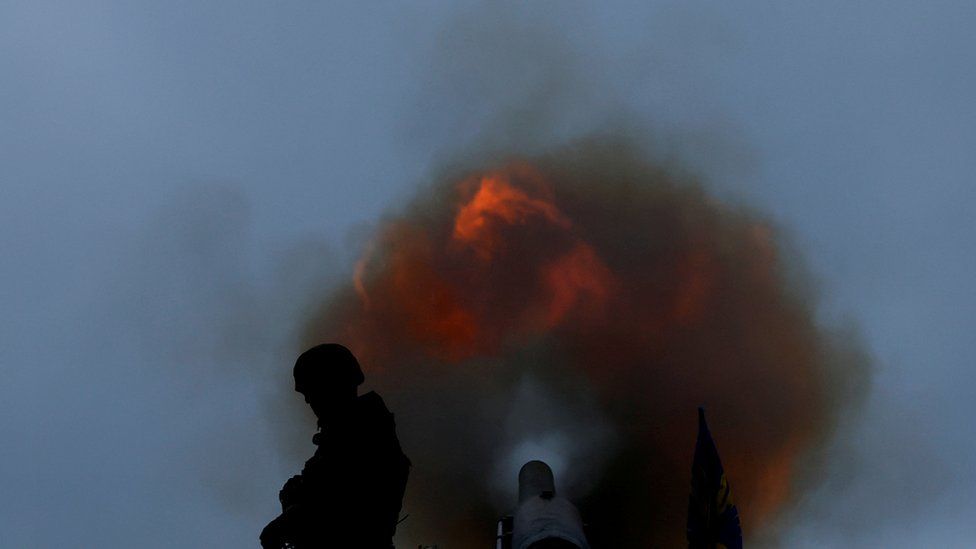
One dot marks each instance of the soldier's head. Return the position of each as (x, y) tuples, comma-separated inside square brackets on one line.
[(328, 376)]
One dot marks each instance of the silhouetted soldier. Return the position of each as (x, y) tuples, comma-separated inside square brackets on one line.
[(350, 492)]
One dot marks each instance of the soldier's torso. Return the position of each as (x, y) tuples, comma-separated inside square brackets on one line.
[(355, 480)]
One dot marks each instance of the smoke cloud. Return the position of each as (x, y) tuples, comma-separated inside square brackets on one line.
[(562, 289), (577, 307)]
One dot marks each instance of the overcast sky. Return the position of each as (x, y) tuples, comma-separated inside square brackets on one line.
[(180, 178)]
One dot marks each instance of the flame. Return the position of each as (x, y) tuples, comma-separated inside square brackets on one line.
[(437, 308), (578, 280), (496, 202), (359, 275)]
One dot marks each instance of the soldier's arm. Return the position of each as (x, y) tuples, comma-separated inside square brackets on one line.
[(292, 493), (275, 534), (281, 532)]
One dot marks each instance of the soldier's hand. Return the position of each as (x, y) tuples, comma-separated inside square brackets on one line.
[(291, 492), (272, 537)]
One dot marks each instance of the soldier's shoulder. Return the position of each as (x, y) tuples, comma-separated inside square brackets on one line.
[(371, 403)]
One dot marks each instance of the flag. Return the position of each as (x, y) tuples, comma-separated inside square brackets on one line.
[(713, 520)]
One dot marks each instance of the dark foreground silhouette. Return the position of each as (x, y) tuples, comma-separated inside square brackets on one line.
[(350, 492)]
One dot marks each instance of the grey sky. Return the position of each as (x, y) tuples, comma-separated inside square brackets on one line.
[(165, 166)]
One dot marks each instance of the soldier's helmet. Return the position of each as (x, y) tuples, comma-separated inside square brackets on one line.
[(327, 367)]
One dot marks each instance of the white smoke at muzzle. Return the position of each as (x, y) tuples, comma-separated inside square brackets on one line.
[(545, 422)]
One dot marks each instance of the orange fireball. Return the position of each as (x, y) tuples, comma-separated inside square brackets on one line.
[(631, 296)]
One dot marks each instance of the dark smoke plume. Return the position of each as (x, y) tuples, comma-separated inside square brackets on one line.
[(577, 307)]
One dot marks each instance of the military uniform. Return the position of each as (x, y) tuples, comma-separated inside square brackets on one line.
[(350, 492)]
